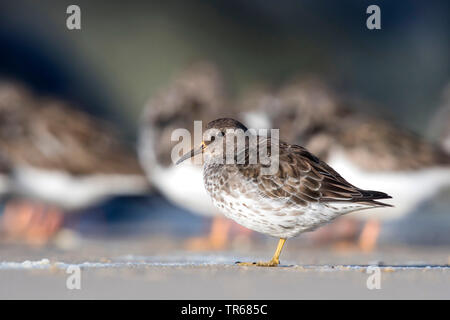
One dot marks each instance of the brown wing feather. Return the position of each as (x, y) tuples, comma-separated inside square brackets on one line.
[(333, 187), (303, 178)]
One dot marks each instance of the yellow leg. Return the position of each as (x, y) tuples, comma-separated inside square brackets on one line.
[(275, 261)]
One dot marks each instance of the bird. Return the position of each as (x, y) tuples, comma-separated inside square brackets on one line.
[(300, 195), (196, 94), (366, 148), (58, 159)]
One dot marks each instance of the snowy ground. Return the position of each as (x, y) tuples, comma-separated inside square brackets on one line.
[(148, 268)]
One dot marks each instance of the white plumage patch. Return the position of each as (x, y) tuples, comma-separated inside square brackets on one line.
[(5, 185), (256, 120), (183, 184), (407, 188), (72, 192)]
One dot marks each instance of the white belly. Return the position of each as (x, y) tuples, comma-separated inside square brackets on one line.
[(277, 219)]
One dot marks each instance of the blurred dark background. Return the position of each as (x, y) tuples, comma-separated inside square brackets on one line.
[(126, 51)]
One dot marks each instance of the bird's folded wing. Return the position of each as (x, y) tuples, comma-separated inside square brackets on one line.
[(303, 178)]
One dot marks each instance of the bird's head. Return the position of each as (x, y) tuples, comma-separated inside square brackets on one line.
[(215, 137)]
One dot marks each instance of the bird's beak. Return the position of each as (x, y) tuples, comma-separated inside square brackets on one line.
[(191, 153)]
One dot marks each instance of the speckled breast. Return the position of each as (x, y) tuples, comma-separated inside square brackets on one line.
[(238, 198)]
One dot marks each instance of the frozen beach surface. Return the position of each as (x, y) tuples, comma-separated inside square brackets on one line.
[(160, 269)]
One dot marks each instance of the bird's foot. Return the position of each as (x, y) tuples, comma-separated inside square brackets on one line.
[(271, 263), (274, 262)]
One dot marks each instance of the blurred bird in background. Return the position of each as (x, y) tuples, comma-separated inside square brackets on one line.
[(440, 123), (363, 147), (56, 159), (110, 75), (197, 94)]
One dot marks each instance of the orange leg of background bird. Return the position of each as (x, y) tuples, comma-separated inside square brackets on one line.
[(341, 235), (344, 229), (217, 238), (33, 223), (369, 236)]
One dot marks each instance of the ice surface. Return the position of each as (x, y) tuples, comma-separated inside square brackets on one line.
[(131, 261), (27, 264), (127, 261)]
